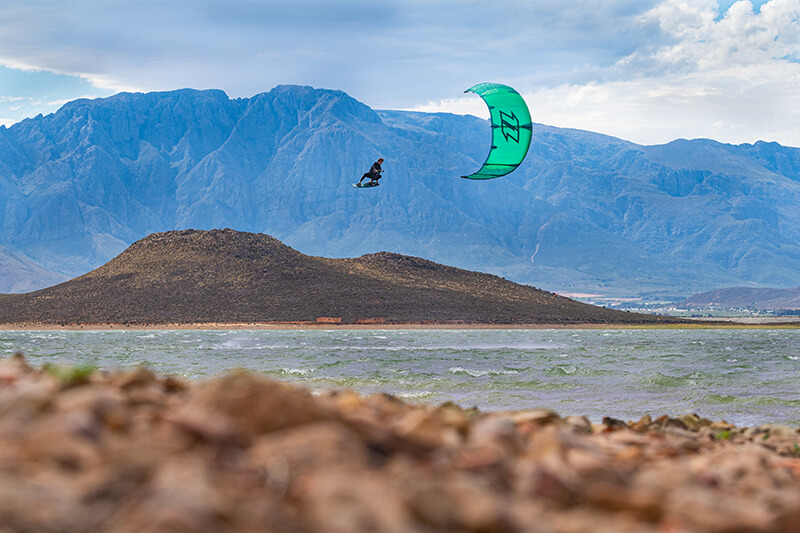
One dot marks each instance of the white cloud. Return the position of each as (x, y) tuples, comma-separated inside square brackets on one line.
[(741, 38), (111, 84), (645, 70), (657, 110), (459, 106), (733, 78), (385, 52), (28, 92)]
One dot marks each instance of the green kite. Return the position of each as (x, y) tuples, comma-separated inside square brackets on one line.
[(511, 130)]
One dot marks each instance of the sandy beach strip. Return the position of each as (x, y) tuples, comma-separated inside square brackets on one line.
[(695, 323)]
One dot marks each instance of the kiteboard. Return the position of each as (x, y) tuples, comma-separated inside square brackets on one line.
[(366, 185)]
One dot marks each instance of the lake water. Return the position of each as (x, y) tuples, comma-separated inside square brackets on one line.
[(744, 376)]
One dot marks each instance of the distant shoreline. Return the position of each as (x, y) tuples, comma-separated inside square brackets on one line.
[(732, 322)]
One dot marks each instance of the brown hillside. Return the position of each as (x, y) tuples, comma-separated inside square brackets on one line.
[(229, 276)]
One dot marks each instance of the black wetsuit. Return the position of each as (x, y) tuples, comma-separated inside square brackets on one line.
[(374, 173)]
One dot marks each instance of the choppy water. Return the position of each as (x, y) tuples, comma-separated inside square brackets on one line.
[(745, 376)]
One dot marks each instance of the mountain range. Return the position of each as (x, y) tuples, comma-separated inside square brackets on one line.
[(585, 211), (194, 276)]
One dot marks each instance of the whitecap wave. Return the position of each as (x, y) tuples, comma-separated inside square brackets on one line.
[(480, 373), (296, 371)]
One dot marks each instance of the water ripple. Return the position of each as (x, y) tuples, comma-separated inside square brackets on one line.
[(744, 376)]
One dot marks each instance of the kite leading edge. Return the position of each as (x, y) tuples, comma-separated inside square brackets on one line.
[(512, 130)]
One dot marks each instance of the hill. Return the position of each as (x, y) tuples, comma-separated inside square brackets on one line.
[(229, 276), (747, 297), (584, 213)]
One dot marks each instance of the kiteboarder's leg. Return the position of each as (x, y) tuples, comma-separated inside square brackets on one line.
[(366, 175)]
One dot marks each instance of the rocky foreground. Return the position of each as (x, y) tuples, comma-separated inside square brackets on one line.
[(128, 451)]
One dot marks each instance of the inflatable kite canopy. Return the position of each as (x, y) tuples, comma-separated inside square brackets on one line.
[(511, 130)]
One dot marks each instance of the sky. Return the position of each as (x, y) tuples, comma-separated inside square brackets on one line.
[(648, 71)]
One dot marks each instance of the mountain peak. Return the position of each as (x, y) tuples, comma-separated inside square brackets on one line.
[(209, 239), (182, 254)]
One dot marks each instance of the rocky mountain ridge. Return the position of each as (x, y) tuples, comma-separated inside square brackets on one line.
[(585, 212)]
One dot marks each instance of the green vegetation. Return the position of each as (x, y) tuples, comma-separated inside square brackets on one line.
[(70, 374), (724, 434)]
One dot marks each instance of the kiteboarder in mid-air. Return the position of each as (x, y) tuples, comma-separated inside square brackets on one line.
[(374, 174)]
